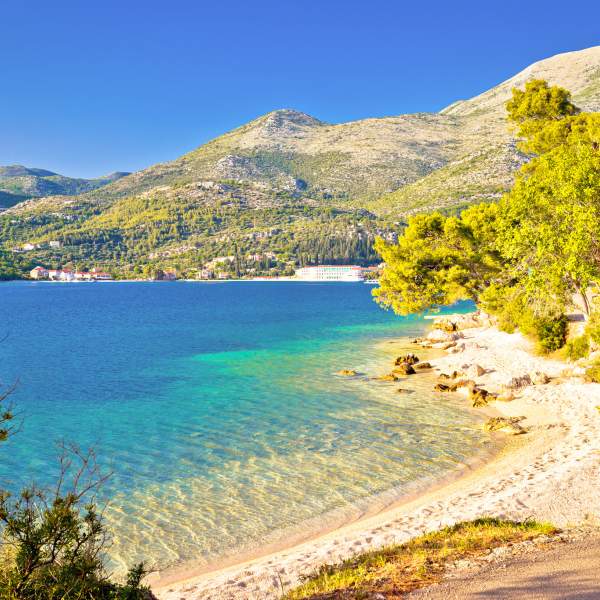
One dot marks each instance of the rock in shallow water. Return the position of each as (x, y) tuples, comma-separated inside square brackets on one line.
[(506, 424), (410, 359), (347, 372), (405, 369)]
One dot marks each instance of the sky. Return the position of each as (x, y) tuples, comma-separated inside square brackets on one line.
[(88, 88)]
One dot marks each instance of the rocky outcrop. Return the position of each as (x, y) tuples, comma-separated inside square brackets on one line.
[(459, 322), (437, 336), (423, 366), (409, 359), (480, 397), (404, 369)]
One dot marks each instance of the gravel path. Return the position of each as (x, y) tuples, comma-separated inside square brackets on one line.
[(565, 570)]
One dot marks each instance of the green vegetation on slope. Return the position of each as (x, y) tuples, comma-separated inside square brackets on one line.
[(18, 183), (419, 562), (290, 188), (525, 257)]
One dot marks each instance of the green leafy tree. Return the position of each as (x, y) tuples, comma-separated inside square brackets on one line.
[(439, 260), (525, 257), (549, 226), (534, 107)]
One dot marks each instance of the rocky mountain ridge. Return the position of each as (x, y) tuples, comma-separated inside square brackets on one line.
[(19, 183), (316, 183)]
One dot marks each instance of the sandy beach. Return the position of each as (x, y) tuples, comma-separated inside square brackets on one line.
[(551, 473)]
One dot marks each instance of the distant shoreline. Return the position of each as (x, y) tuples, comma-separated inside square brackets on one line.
[(258, 280)]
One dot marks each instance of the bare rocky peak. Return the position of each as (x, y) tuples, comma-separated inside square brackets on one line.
[(577, 71), (21, 171), (286, 118), (276, 128)]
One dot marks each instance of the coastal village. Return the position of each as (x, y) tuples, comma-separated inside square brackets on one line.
[(39, 273), (343, 273)]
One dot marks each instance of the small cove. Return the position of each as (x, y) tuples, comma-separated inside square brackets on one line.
[(218, 410)]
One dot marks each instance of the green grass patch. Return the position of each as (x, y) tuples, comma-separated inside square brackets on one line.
[(421, 561)]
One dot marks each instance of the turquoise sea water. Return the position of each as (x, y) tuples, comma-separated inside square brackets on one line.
[(218, 409)]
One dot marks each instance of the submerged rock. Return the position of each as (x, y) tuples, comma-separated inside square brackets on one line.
[(347, 373), (441, 387), (388, 377), (445, 377), (506, 424)]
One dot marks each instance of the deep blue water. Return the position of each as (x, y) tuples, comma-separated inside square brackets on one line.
[(217, 407)]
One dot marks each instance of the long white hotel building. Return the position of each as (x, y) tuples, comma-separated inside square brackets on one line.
[(330, 273)]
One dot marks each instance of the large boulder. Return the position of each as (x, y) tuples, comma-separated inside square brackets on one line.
[(539, 378), (480, 397), (405, 369), (422, 366), (453, 323), (518, 383), (437, 336), (473, 371)]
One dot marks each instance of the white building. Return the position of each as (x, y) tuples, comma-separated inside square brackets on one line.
[(99, 275), (54, 244), (38, 273), (67, 275), (330, 273), (54, 274)]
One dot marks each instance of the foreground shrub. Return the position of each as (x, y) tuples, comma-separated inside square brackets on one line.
[(52, 542), (593, 326), (592, 373), (551, 333), (577, 348)]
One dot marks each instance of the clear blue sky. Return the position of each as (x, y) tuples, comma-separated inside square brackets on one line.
[(91, 87)]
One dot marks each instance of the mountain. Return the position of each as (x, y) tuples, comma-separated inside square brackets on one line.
[(18, 183), (288, 188)]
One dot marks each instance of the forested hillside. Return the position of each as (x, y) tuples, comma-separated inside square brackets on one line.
[(289, 189), (18, 183)]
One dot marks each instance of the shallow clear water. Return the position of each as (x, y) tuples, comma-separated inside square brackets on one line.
[(218, 408)]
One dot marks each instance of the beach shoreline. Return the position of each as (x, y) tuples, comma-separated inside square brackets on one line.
[(534, 475)]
